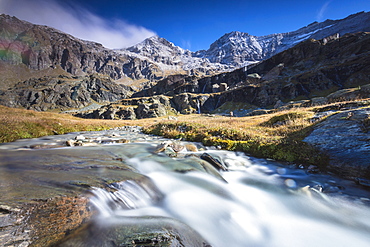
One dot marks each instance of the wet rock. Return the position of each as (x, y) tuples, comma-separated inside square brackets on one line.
[(191, 147), (170, 146), (214, 161), (363, 182), (170, 152), (313, 169), (162, 146), (135, 231)]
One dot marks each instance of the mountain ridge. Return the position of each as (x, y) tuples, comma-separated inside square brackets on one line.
[(140, 69), (250, 48)]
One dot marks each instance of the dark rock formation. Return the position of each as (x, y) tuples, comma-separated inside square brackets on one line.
[(153, 231), (62, 92), (41, 47), (345, 137)]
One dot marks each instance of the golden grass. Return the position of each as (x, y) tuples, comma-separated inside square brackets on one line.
[(19, 123), (278, 135)]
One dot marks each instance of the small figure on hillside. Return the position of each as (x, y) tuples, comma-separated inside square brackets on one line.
[(231, 114)]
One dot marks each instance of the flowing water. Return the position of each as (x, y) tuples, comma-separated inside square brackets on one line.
[(256, 202)]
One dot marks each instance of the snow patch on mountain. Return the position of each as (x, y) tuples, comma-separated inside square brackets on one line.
[(171, 57), (238, 48)]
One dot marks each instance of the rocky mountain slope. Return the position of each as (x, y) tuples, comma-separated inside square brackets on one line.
[(240, 49), (315, 71), (63, 92), (33, 57), (237, 49), (172, 58), (41, 48)]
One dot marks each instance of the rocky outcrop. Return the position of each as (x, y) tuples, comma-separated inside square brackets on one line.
[(129, 109), (63, 92), (151, 107), (345, 137)]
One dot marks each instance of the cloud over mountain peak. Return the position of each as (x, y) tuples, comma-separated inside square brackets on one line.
[(77, 21)]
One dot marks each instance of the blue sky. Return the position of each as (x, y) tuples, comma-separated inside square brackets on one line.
[(191, 24)]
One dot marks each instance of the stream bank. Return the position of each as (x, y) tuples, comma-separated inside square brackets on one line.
[(49, 185)]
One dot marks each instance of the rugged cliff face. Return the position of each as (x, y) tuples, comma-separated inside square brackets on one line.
[(63, 92)]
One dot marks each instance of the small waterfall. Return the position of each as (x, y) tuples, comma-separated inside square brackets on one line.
[(252, 202), (125, 195), (198, 106), (260, 204)]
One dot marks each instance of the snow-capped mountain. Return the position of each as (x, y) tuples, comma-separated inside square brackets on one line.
[(173, 58), (240, 49), (40, 48)]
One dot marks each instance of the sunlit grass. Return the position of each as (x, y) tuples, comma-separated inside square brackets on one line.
[(19, 123), (276, 135)]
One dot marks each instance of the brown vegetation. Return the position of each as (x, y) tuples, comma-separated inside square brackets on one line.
[(19, 123), (277, 135)]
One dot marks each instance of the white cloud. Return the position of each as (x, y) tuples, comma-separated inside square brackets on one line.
[(320, 14), (76, 21), (186, 44)]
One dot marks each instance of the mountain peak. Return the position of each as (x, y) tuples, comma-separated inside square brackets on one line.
[(238, 48)]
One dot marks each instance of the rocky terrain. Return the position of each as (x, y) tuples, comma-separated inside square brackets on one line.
[(63, 92), (240, 49), (33, 51), (40, 48), (313, 72), (45, 69)]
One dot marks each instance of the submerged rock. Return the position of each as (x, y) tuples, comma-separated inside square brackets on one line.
[(135, 231)]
